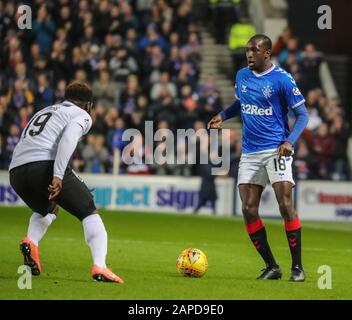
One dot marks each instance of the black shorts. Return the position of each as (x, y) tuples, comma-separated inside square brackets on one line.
[(31, 182)]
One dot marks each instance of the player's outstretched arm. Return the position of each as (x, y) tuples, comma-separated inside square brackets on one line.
[(301, 122), (231, 111), (67, 145)]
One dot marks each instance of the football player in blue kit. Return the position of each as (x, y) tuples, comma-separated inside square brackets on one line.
[(264, 94)]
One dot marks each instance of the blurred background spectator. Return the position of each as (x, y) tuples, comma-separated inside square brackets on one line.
[(321, 150)]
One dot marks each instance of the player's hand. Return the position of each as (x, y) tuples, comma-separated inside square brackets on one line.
[(55, 187), (215, 122), (285, 150)]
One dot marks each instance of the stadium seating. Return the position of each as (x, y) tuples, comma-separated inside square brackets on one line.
[(143, 60)]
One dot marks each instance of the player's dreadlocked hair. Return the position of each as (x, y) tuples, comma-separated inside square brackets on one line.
[(79, 92), (265, 40)]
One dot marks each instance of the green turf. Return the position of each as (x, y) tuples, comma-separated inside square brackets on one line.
[(143, 249)]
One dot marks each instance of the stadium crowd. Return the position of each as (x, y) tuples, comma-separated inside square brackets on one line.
[(142, 59), (321, 152)]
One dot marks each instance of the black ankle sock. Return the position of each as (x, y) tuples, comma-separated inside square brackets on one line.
[(293, 233), (294, 242), (257, 233)]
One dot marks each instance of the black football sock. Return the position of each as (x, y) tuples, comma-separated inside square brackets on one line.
[(293, 233), (257, 233)]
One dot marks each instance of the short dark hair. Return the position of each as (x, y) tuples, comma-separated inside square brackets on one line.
[(79, 92), (265, 39)]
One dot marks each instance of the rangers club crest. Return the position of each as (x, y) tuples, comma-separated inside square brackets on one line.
[(267, 91)]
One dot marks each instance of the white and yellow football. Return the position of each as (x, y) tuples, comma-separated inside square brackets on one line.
[(192, 262)]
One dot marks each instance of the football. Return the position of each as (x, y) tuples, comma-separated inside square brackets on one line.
[(192, 262)]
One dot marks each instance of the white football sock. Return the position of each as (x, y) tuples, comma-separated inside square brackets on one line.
[(96, 238), (38, 225)]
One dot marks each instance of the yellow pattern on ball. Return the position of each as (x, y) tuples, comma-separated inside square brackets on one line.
[(192, 262)]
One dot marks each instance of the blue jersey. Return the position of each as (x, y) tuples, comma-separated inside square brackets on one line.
[(266, 99)]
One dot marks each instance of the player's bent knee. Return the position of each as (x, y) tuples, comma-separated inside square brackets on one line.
[(250, 211)]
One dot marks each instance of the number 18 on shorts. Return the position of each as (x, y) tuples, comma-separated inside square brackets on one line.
[(263, 167)]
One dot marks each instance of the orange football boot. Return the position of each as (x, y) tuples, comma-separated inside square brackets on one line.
[(30, 253), (105, 275)]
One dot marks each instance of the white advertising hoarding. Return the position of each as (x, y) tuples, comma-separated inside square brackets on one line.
[(325, 200), (142, 193)]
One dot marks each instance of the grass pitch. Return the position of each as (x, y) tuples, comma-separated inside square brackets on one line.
[(143, 249)]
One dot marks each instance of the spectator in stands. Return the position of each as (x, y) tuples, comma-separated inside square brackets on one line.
[(182, 19), (116, 134), (10, 143), (303, 161), (44, 30), (340, 132), (128, 19), (189, 108), (314, 119), (324, 148), (77, 62), (44, 96), (164, 83), (95, 154), (22, 75), (59, 61), (60, 91), (105, 90), (193, 49), (5, 118), (210, 102), (310, 66), (122, 65), (100, 125), (239, 34), (131, 43), (152, 38), (183, 59), (110, 119), (129, 95), (153, 65), (281, 42), (291, 48), (164, 109), (19, 95), (222, 13), (143, 107), (23, 117)]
